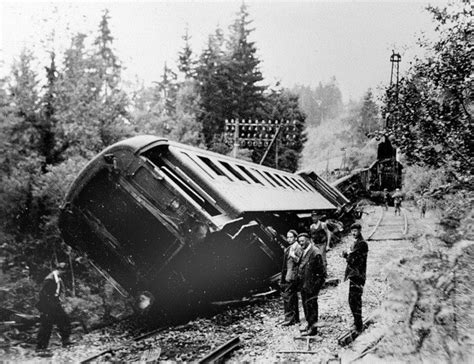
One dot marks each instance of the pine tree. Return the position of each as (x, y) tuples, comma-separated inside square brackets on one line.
[(112, 126), (108, 67), (48, 122), (25, 96), (186, 63), (21, 163), (78, 102), (283, 105), (245, 92), (211, 80), (168, 88), (369, 119), (431, 115)]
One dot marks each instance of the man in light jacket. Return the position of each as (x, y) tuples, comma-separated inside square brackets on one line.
[(288, 280)]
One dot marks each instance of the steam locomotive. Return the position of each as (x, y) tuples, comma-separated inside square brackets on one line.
[(384, 173)]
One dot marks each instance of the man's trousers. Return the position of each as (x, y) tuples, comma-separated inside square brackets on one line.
[(49, 318), (289, 293), (355, 302)]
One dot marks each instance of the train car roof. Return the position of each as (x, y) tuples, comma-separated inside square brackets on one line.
[(256, 187), (277, 190)]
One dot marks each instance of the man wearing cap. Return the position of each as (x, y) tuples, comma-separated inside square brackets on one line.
[(51, 310), (355, 272), (311, 275), (288, 280)]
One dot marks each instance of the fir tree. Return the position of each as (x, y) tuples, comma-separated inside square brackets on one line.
[(48, 119), (245, 92), (211, 87), (186, 63), (283, 106), (369, 119)]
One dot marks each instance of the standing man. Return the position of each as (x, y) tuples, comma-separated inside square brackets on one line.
[(311, 275), (52, 313), (288, 280), (422, 206), (320, 235), (397, 201), (355, 272), (386, 198)]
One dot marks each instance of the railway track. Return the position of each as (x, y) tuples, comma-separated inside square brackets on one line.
[(388, 226)]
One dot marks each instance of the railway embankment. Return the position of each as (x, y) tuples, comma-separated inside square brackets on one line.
[(426, 314)]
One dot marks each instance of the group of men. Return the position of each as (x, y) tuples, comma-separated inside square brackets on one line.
[(397, 200), (305, 270)]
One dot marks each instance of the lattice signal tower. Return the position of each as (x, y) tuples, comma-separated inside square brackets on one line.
[(395, 59)]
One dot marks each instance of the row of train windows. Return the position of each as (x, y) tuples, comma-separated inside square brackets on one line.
[(238, 171)]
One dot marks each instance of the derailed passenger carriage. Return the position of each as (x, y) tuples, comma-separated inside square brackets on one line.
[(186, 224)]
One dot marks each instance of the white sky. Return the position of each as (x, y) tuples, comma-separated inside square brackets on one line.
[(299, 42)]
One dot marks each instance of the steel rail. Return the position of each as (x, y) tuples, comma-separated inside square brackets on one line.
[(405, 229), (127, 343), (377, 224), (219, 353)]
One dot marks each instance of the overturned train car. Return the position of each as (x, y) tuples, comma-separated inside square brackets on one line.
[(185, 224)]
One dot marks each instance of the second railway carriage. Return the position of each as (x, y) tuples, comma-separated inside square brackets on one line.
[(186, 224)]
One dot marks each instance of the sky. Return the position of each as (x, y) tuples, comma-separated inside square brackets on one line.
[(298, 42)]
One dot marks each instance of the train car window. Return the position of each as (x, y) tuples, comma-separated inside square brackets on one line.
[(248, 173), (212, 166), (288, 181), (272, 178), (285, 183), (233, 171), (196, 163), (310, 188), (263, 177), (295, 184), (206, 205), (278, 178), (302, 185)]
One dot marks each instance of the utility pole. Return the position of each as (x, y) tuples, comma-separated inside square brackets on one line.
[(236, 140), (259, 133)]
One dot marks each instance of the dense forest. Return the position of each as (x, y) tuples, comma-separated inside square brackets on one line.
[(50, 129)]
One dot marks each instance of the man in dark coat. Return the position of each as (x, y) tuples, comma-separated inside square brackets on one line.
[(51, 310), (386, 198), (288, 280), (355, 272), (311, 275)]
